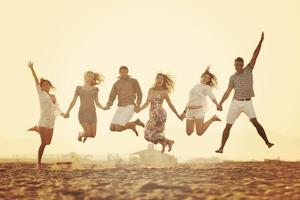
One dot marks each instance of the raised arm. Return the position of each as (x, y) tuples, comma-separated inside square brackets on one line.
[(256, 52), (172, 107), (30, 65)]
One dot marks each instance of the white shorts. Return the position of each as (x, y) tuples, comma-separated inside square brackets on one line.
[(237, 107), (195, 114), (123, 114), (46, 122)]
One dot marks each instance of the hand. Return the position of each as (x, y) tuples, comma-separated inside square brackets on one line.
[(179, 117), (30, 64), (182, 116), (262, 37), (66, 115), (219, 107), (137, 109)]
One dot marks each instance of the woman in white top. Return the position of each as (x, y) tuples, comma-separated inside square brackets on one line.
[(197, 104), (49, 111)]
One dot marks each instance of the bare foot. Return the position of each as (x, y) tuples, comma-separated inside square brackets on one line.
[(170, 145), (139, 123), (219, 151), (35, 128), (79, 138), (84, 139), (163, 147), (38, 166), (270, 145), (135, 131), (216, 118)]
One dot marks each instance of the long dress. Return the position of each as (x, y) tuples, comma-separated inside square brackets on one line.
[(154, 130)]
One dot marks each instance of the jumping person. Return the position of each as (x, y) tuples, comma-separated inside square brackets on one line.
[(154, 130), (88, 94), (128, 91), (49, 110), (197, 104), (242, 83)]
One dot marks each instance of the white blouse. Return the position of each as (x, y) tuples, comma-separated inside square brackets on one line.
[(48, 109), (197, 95)]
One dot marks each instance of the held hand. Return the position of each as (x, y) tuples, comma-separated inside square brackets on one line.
[(219, 107), (182, 116), (137, 109), (179, 117), (30, 64), (66, 115)]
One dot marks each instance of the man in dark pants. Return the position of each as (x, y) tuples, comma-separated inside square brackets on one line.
[(242, 83)]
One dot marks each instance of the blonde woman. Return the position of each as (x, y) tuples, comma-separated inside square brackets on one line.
[(154, 130), (49, 111), (88, 95), (197, 104)]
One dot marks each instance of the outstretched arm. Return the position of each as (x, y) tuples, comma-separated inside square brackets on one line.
[(30, 65), (98, 104), (146, 104), (225, 96), (256, 52), (172, 107), (67, 114)]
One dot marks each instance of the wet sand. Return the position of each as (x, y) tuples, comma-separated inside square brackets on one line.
[(231, 180)]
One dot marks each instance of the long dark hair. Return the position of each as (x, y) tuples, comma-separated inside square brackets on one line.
[(168, 83), (213, 79)]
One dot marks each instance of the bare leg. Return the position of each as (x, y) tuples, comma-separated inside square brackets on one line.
[(202, 127), (261, 131), (163, 144), (87, 131), (190, 126), (224, 137), (46, 137), (129, 125)]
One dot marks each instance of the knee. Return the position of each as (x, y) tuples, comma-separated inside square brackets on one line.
[(200, 132), (189, 131), (43, 144), (93, 134), (112, 127), (118, 128)]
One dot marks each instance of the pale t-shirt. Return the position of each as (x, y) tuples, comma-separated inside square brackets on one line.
[(197, 95)]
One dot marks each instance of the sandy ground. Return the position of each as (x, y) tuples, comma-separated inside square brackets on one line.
[(238, 180)]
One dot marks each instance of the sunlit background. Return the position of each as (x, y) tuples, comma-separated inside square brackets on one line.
[(66, 38)]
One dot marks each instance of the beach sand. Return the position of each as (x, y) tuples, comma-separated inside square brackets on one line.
[(228, 180)]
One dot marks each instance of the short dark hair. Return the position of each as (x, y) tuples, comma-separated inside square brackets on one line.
[(123, 68), (239, 59)]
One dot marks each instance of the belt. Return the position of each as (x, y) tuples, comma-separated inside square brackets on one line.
[(244, 99)]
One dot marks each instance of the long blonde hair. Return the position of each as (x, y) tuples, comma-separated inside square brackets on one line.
[(168, 83), (98, 78)]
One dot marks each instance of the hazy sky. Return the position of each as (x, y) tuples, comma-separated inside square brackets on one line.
[(66, 38)]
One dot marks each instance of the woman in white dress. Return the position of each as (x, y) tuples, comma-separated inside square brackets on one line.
[(49, 110), (197, 104)]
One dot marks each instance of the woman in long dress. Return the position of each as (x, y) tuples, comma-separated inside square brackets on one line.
[(154, 130), (49, 110), (88, 95)]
